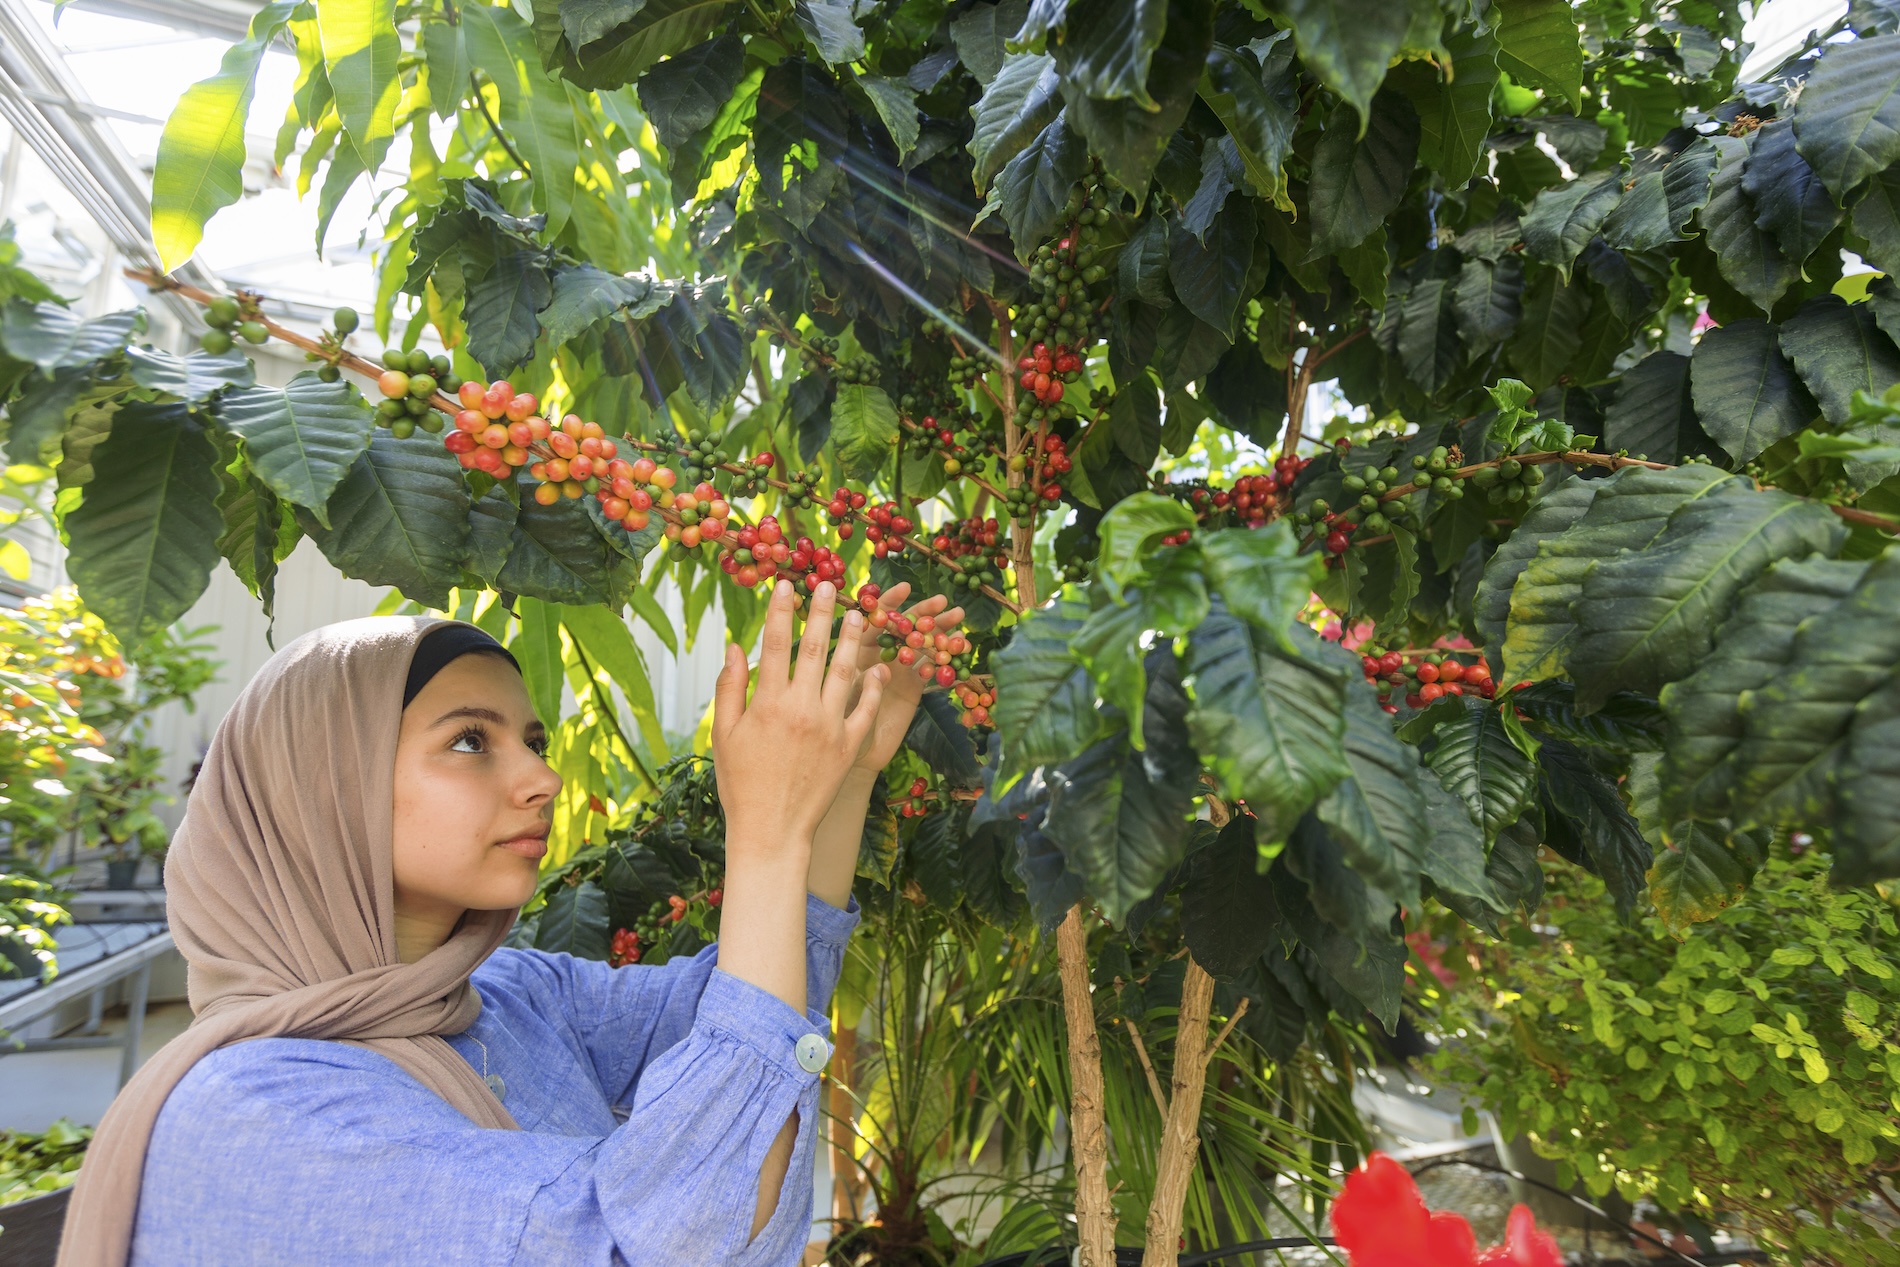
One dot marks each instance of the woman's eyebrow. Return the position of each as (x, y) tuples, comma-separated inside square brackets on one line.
[(482, 714)]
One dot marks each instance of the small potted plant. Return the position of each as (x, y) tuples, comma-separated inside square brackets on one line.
[(115, 812)]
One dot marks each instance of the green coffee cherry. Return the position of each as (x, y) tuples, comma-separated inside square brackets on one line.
[(344, 320)]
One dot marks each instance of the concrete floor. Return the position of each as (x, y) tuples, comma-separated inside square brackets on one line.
[(37, 1088)]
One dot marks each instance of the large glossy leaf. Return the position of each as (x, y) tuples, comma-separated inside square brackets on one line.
[(1260, 575), (581, 296), (1664, 192), (1550, 335), (1539, 46), (1700, 873), (1752, 647), (1378, 813), (798, 133), (1366, 962), (1653, 415), (1867, 839), (1121, 817), (1270, 723), (557, 555), (55, 338), (1129, 137), (981, 34), (1552, 513), (1584, 803), (1745, 392), (1789, 199), (574, 922), (1349, 43), (360, 52), (1228, 913), (491, 533), (1561, 220), (1623, 724), (1628, 512), (1475, 760), (191, 377), (502, 308), (659, 28), (1429, 349), (1838, 348), (1360, 174), (863, 427), (1847, 119), (301, 438), (1796, 726), (400, 517), (1210, 276), (829, 26), (1488, 301), (1748, 256), (1454, 126), (200, 165), (1045, 703), (1108, 47), (1259, 106), (1454, 866), (37, 416), (1647, 618), (941, 740), (259, 533), (684, 93), (1034, 185), (143, 540), (1019, 103)]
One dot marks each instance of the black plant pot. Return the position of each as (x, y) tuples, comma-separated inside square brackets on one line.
[(29, 1230), (122, 873)]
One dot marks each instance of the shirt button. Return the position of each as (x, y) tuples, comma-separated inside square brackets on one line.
[(813, 1052), (496, 1085)]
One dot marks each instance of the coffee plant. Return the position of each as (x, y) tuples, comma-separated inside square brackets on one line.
[(1025, 303)]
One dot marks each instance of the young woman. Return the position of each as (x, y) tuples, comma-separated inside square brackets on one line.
[(369, 1079)]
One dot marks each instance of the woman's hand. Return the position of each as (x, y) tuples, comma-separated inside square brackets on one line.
[(781, 758), (907, 686)]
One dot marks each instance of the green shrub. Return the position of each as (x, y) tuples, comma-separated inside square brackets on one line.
[(1750, 1069), (33, 1164)]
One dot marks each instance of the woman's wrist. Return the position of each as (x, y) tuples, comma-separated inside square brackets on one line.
[(834, 851), (762, 913)]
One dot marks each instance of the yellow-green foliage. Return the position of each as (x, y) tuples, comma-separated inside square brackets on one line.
[(1752, 1068)]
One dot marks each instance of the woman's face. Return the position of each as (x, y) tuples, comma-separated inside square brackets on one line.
[(474, 795)]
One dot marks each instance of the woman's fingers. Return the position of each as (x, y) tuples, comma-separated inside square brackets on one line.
[(775, 651), (817, 640), (857, 726), (729, 695), (893, 598), (844, 661)]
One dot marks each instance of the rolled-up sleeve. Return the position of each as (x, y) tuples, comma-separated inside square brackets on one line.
[(625, 1018)]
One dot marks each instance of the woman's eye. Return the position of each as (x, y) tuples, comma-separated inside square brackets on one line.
[(470, 741), (539, 747)]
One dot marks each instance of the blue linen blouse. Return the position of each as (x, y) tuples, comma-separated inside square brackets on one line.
[(647, 1098)]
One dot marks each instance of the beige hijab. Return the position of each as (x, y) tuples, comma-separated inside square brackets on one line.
[(279, 891)]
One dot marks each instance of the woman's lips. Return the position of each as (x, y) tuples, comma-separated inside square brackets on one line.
[(531, 846)]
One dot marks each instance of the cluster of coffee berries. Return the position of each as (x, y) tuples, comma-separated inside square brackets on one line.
[(976, 696), (226, 316), (343, 321), (838, 508), (1370, 508), (1248, 502), (916, 804), (968, 371), (939, 656), (801, 490), (1045, 370), (1437, 471), (494, 427), (699, 513), (629, 944), (1042, 473), (760, 553), (976, 546), (1421, 680), (408, 383), (701, 458), (1508, 481), (888, 526)]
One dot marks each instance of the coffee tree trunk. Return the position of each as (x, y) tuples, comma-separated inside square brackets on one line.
[(1180, 1134)]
